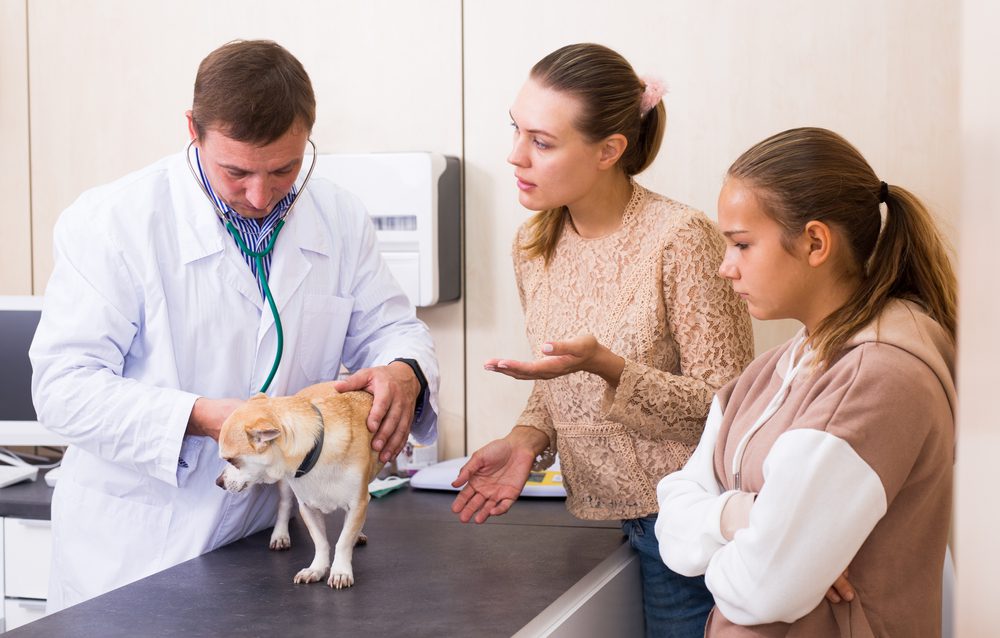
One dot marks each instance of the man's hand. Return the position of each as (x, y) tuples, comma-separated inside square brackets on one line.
[(395, 390), (208, 415), (565, 357), (495, 474)]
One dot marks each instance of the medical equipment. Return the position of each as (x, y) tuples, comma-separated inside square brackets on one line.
[(19, 317), (414, 201), (258, 256)]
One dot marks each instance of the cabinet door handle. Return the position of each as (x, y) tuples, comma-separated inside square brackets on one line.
[(28, 604)]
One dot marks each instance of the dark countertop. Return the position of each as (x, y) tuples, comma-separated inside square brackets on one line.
[(423, 573), (32, 499)]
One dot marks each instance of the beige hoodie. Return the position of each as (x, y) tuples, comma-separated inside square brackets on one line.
[(852, 467)]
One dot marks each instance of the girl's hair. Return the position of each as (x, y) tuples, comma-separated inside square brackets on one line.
[(807, 174), (610, 93)]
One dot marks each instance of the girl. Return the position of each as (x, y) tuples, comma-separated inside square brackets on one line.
[(634, 331), (829, 460)]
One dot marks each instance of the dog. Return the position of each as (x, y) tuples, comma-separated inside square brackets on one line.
[(317, 445)]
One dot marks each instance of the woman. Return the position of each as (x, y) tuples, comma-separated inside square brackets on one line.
[(634, 329), (829, 460)]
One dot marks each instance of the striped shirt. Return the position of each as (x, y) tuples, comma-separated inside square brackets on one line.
[(255, 233)]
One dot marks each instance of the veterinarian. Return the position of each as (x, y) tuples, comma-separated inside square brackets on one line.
[(156, 325)]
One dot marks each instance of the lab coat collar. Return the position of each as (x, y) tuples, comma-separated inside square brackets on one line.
[(201, 234)]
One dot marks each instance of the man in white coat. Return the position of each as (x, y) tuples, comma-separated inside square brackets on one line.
[(155, 327)]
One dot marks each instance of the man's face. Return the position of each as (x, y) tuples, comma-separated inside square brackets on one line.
[(248, 177)]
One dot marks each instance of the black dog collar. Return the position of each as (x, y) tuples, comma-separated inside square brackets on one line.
[(309, 462)]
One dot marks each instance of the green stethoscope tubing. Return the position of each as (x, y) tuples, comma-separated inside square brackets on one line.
[(258, 258)]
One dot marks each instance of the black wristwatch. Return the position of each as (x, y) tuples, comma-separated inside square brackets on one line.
[(421, 379)]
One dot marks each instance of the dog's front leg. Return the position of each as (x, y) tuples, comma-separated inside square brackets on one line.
[(342, 571), (316, 525), (279, 537)]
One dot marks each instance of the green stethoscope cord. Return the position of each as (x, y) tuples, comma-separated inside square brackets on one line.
[(259, 260)]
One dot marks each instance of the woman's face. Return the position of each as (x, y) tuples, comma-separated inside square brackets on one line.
[(554, 164), (775, 283)]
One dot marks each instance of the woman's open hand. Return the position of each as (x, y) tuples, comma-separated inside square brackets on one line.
[(564, 357)]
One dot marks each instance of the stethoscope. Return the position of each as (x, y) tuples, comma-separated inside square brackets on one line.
[(258, 256)]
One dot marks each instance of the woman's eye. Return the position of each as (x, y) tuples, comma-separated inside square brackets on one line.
[(741, 246), (540, 144)]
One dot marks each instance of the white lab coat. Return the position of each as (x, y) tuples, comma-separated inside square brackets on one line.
[(151, 305)]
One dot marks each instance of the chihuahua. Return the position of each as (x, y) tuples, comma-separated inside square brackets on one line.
[(317, 445)]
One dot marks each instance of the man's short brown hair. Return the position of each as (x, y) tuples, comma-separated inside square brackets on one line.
[(252, 91)]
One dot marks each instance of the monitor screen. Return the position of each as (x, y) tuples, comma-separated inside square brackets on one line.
[(18, 423)]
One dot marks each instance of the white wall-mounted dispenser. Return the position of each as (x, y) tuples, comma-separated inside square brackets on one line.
[(415, 203)]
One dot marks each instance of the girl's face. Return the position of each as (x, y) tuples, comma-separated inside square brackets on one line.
[(554, 164), (775, 283)]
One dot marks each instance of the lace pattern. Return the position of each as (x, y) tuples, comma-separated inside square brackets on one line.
[(651, 293)]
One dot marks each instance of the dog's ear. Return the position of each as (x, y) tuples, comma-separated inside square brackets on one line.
[(261, 434)]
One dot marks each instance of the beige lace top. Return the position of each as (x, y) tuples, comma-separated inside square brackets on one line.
[(651, 293)]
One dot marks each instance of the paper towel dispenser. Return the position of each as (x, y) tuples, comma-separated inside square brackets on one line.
[(415, 203)]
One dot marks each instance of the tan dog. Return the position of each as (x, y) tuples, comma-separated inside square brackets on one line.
[(267, 440)]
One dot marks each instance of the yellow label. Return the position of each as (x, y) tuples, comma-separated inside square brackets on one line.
[(547, 477)]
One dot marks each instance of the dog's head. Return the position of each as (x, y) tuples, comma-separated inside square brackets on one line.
[(250, 442)]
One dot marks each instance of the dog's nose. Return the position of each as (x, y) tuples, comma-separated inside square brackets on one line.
[(221, 482)]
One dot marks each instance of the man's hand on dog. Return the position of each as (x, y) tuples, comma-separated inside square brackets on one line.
[(207, 416), (395, 389)]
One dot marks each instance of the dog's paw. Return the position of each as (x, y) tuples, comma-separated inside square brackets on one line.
[(309, 575), (280, 541), (362, 539), (340, 579)]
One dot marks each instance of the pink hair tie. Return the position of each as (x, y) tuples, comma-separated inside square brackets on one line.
[(651, 94)]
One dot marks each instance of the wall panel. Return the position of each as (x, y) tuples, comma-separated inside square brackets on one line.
[(884, 74), (15, 257)]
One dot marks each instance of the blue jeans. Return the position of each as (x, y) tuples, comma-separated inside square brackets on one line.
[(675, 606)]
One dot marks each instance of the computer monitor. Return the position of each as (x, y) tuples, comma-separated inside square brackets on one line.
[(18, 423)]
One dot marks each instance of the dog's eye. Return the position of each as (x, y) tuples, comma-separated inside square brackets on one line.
[(235, 462)]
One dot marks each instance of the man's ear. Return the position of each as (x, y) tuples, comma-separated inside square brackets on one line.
[(192, 130), (261, 434), (612, 149), (818, 238)]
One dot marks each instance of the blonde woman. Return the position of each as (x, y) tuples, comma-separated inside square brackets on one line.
[(633, 328)]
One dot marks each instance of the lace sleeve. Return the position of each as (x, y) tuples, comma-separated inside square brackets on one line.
[(536, 415), (712, 330)]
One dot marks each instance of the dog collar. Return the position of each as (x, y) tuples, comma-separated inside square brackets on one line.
[(309, 462)]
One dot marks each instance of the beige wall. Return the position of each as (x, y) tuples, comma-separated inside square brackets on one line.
[(111, 79), (881, 73), (15, 220), (977, 516)]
